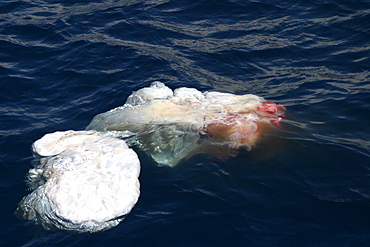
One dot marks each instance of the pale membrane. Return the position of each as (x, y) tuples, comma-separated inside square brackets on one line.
[(169, 125)]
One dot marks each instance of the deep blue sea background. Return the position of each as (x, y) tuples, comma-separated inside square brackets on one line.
[(307, 183)]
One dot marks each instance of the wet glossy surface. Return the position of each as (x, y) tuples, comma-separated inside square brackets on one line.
[(305, 184)]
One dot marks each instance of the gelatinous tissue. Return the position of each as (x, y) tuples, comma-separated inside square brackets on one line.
[(170, 125), (87, 181)]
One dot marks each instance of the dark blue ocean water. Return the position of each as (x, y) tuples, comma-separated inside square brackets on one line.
[(307, 183)]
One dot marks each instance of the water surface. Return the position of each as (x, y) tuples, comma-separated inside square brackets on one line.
[(305, 184)]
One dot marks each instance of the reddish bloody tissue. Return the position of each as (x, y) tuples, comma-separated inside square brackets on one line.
[(271, 107)]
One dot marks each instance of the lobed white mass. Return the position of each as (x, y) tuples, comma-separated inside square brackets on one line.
[(85, 182)]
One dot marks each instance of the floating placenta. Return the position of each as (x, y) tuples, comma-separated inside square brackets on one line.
[(170, 124), (87, 181)]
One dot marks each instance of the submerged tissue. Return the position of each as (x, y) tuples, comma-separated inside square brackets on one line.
[(83, 181), (170, 125)]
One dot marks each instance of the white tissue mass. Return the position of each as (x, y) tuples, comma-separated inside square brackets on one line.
[(87, 181), (83, 181), (171, 125)]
